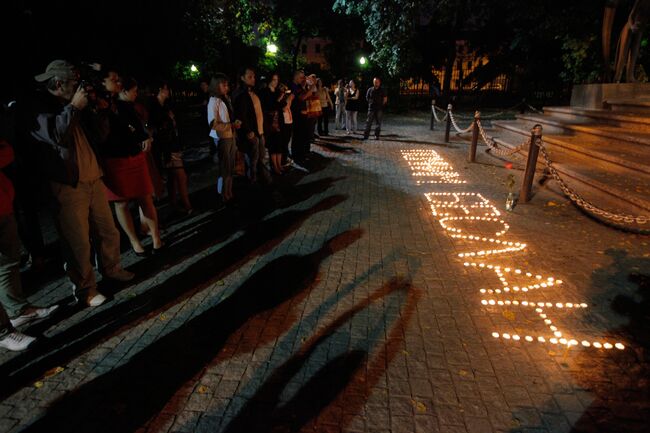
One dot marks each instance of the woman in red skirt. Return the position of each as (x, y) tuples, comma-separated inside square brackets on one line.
[(126, 173)]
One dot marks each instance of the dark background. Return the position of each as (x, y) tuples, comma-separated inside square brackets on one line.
[(143, 38)]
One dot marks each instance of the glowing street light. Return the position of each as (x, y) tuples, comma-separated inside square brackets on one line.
[(362, 60), (271, 49), (193, 68)]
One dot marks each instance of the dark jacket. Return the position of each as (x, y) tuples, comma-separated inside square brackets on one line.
[(53, 143), (165, 134), (126, 132), (272, 107), (245, 112)]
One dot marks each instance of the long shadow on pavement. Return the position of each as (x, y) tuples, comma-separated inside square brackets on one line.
[(124, 398), (265, 411), (258, 239), (197, 236), (620, 380)]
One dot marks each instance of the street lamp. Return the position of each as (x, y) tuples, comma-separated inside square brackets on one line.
[(363, 61), (193, 68), (271, 49)]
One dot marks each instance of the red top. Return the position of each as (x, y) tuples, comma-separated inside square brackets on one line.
[(6, 188)]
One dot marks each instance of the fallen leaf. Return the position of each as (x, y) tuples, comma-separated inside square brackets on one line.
[(221, 283), (38, 384), (202, 389), (405, 352), (419, 406), (463, 372), (53, 371), (163, 317), (551, 203)]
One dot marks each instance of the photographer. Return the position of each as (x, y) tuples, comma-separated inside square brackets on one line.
[(67, 134)]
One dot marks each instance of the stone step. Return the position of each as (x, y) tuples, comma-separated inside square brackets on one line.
[(606, 149), (556, 125), (612, 187), (640, 106), (591, 117)]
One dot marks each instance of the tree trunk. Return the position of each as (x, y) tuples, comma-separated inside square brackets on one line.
[(296, 50), (449, 69)]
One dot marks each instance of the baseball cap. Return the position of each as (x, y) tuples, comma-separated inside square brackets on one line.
[(57, 68)]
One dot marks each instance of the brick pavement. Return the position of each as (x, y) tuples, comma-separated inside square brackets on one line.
[(341, 304)]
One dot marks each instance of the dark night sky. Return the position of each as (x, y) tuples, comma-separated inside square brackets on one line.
[(140, 37)]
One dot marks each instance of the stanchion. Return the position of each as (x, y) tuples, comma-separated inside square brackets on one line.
[(433, 119), (448, 127), (472, 147), (531, 164)]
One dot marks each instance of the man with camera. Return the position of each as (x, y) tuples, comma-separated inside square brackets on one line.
[(66, 134)]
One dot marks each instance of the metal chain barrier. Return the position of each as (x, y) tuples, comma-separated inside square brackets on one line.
[(494, 146), (583, 203)]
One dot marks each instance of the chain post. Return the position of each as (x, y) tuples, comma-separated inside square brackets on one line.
[(433, 109), (448, 127), (531, 164), (475, 131)]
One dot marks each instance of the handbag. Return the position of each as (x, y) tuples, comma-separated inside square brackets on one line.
[(313, 107)]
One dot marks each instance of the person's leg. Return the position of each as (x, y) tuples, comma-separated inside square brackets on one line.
[(228, 154), (369, 119), (348, 120), (11, 291), (149, 216), (326, 121), (181, 178), (320, 123), (72, 209), (355, 126), (172, 187), (379, 115), (106, 237), (126, 222)]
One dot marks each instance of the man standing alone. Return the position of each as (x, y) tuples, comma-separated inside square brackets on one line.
[(377, 99)]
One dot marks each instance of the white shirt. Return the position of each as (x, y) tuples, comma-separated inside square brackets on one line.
[(216, 105)]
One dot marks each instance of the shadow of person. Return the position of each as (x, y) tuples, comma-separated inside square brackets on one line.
[(620, 380), (265, 412), (258, 239), (124, 398)]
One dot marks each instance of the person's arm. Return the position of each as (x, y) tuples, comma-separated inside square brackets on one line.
[(6, 154), (368, 94), (51, 128), (355, 95), (219, 124), (329, 99), (240, 113)]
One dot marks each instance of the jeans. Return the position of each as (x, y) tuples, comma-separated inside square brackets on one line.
[(11, 291), (340, 116), (373, 116), (80, 211), (350, 121)]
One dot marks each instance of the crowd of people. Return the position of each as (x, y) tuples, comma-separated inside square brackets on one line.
[(96, 144)]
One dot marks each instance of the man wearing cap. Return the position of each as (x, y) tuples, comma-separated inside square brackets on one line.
[(66, 138)]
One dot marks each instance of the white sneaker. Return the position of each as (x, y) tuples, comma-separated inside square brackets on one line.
[(96, 300), (39, 313), (16, 341)]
